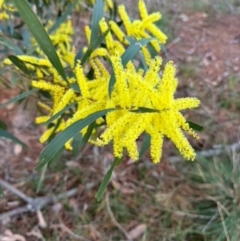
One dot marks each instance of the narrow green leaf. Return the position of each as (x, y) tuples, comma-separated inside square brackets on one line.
[(41, 179), (142, 64), (19, 63), (40, 34), (10, 45), (63, 17), (128, 55), (145, 144), (88, 134), (7, 135), (145, 110), (76, 143), (133, 49), (195, 126), (19, 97), (79, 140), (75, 87), (58, 142), (96, 17), (106, 179), (86, 55), (58, 114), (56, 126)]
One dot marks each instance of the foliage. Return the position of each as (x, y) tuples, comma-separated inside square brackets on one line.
[(115, 87)]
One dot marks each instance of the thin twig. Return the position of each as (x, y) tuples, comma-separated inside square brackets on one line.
[(33, 204), (114, 219), (210, 153), (15, 191)]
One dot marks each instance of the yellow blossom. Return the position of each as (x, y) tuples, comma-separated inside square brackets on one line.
[(139, 28), (81, 80), (154, 92)]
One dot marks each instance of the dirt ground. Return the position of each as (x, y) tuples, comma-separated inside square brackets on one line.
[(206, 49)]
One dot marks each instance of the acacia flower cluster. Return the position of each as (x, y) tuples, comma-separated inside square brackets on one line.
[(144, 27), (61, 38), (134, 90)]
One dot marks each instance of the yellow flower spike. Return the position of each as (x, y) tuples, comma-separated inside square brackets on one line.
[(44, 106), (65, 100), (155, 45), (180, 141), (118, 32), (99, 94), (156, 143), (81, 80), (96, 70), (116, 128), (68, 145), (121, 84), (41, 119), (108, 38), (114, 115), (56, 78), (151, 75), (135, 30), (56, 94), (62, 48), (99, 52), (168, 83), (35, 60), (45, 136), (67, 58), (99, 69), (39, 73), (146, 55), (109, 4), (138, 125), (117, 47), (132, 151), (186, 103), (125, 18), (41, 84), (156, 32), (149, 20), (142, 9), (96, 83), (87, 31), (103, 71), (185, 126)]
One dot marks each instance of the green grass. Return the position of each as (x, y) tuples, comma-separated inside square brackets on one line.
[(219, 182)]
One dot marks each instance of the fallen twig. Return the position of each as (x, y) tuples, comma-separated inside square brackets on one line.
[(33, 204)]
